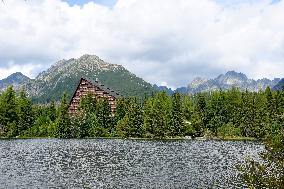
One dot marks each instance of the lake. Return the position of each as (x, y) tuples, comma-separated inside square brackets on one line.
[(117, 163)]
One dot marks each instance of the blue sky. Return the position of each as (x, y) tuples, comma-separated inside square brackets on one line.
[(108, 3)]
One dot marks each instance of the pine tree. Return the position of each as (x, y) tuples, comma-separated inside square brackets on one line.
[(157, 116), (51, 111), (63, 121), (8, 111), (131, 124), (270, 104), (148, 118), (104, 114), (213, 114), (177, 126), (260, 118), (121, 108), (248, 114), (187, 108), (25, 113), (200, 108), (232, 106)]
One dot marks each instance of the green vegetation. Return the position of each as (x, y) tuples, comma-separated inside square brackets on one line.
[(219, 114), (269, 171)]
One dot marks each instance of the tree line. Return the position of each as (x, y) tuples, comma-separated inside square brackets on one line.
[(231, 113)]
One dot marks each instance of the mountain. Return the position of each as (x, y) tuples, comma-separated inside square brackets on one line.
[(65, 75), (224, 82), (229, 80), (279, 85), (16, 79), (169, 91)]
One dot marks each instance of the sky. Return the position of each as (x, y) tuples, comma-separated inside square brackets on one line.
[(166, 42)]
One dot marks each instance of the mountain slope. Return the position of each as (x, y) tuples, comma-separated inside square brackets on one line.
[(65, 75), (16, 79), (279, 85)]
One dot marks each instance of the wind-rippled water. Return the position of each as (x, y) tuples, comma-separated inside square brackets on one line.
[(99, 163)]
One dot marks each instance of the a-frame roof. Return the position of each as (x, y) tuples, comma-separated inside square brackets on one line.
[(100, 86), (103, 87)]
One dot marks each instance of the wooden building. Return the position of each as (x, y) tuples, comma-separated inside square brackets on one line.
[(98, 90)]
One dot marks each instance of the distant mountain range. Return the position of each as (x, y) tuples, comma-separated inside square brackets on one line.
[(16, 79), (65, 74), (279, 85), (224, 82)]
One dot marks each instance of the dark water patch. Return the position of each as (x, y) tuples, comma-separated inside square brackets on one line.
[(100, 163)]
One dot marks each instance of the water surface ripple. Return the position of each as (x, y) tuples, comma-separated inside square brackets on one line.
[(100, 163)]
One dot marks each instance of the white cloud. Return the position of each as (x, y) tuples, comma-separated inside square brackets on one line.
[(163, 41)]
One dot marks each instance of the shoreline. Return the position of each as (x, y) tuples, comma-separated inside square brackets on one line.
[(135, 138)]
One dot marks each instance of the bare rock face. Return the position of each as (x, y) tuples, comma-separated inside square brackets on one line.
[(229, 80)]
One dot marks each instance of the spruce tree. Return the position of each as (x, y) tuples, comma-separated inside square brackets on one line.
[(200, 108), (103, 113), (270, 104), (63, 122), (148, 118), (187, 108), (158, 116), (25, 113), (121, 108), (177, 126), (51, 111), (248, 114), (131, 124), (8, 111)]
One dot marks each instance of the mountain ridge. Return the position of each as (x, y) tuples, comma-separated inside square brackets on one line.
[(279, 85), (224, 82), (64, 75)]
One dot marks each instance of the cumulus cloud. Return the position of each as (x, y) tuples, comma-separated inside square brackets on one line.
[(163, 41)]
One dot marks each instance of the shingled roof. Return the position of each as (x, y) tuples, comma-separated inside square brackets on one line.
[(103, 87)]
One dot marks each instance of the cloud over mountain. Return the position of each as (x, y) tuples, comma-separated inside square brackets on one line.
[(163, 41)]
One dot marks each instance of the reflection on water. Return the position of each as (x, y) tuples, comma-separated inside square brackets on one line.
[(98, 163)]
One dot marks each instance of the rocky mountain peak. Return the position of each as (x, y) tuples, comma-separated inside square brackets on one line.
[(65, 74), (235, 74), (14, 79), (18, 76), (232, 78), (198, 81)]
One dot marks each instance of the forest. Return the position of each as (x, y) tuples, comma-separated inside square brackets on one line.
[(218, 114), (221, 114)]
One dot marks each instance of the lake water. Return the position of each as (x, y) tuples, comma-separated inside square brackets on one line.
[(105, 163)]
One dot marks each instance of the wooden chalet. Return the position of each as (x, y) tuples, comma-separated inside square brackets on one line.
[(86, 86)]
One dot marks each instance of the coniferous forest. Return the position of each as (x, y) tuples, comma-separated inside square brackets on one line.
[(219, 114), (222, 114)]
